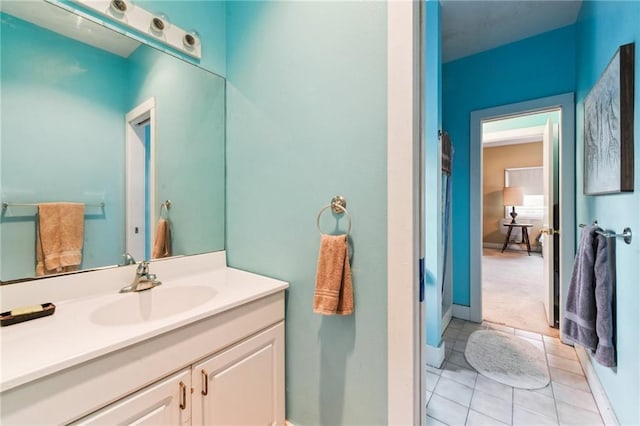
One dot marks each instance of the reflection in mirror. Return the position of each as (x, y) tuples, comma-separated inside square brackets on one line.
[(105, 120)]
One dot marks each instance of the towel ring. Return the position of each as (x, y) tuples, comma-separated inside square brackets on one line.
[(164, 207), (338, 205)]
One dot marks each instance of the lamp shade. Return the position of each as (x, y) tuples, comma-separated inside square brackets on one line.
[(513, 196)]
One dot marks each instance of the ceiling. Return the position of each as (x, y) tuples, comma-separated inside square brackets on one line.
[(472, 26), (525, 128)]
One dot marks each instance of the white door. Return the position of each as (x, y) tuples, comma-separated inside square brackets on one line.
[(136, 188), (243, 385), (547, 222), (164, 403)]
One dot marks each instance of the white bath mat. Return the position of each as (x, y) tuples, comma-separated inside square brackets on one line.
[(507, 359)]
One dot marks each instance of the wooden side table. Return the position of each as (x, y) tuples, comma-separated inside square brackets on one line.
[(525, 235)]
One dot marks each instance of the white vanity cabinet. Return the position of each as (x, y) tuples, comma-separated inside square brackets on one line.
[(166, 403), (159, 380), (242, 385)]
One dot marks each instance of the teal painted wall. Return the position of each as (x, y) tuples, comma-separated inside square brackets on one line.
[(307, 113), (533, 68), (601, 28), (433, 179), (63, 105)]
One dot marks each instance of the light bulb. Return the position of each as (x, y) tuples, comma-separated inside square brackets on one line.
[(191, 40), (159, 23), (119, 7)]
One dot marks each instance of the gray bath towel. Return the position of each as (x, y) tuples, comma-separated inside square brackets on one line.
[(588, 317)]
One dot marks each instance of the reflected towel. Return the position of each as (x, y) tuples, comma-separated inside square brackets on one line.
[(59, 237), (588, 317), (162, 242), (334, 290)]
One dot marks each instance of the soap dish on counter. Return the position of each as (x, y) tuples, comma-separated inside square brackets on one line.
[(6, 318)]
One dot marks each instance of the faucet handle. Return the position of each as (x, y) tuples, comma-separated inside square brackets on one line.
[(143, 268)]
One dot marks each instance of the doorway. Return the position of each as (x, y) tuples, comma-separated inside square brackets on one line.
[(140, 179), (520, 192), (563, 232)]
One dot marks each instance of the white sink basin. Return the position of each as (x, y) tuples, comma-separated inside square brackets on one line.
[(150, 305)]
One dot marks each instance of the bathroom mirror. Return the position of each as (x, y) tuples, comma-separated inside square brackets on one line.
[(92, 116)]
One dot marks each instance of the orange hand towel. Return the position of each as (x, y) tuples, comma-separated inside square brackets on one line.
[(334, 290), (59, 237), (162, 242)]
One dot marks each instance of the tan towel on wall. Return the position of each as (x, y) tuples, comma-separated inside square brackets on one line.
[(162, 242), (334, 290), (59, 237)]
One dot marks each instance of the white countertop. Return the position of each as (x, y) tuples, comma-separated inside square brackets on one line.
[(34, 349)]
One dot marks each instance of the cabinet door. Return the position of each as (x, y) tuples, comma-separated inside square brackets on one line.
[(164, 403), (243, 385)]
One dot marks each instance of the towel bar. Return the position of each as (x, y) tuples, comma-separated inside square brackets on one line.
[(626, 233), (5, 205)]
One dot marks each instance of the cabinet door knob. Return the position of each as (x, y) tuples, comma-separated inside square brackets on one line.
[(205, 383), (183, 396)]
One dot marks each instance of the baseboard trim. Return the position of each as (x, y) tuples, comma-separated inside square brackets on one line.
[(434, 356), (599, 394), (492, 245), (446, 318), (461, 312)]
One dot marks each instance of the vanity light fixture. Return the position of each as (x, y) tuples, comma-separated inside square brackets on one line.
[(156, 25)]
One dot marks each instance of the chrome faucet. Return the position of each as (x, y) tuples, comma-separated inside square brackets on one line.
[(128, 259), (143, 279)]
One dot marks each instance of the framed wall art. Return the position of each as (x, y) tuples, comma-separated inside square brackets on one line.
[(608, 127)]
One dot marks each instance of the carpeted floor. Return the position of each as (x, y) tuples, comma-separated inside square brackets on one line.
[(513, 290)]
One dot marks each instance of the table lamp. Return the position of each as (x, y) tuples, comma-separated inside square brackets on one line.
[(513, 196)]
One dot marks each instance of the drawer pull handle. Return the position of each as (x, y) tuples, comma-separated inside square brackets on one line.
[(183, 396), (205, 383)]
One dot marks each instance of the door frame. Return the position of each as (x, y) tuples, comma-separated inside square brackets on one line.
[(566, 183), (406, 396), (134, 135)]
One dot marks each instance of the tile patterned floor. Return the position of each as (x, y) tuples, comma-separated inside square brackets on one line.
[(457, 395)]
